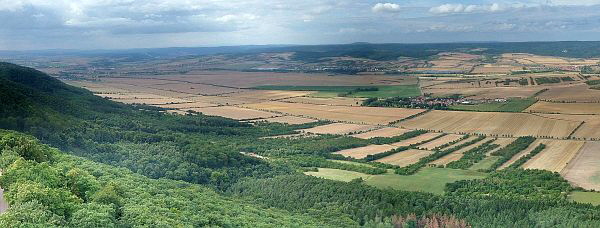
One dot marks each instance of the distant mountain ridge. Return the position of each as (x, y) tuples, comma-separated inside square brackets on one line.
[(376, 51)]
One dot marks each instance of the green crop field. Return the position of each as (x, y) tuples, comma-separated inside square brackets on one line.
[(431, 180), (350, 91), (512, 105), (485, 163), (586, 197)]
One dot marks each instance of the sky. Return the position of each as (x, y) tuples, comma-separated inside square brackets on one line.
[(121, 24)]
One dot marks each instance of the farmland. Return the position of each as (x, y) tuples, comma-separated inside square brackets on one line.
[(405, 158), (339, 128), (512, 105), (362, 152), (565, 108), (556, 157), (584, 169), (493, 124), (382, 132), (354, 91), (367, 115)]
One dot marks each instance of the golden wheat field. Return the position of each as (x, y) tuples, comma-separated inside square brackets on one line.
[(418, 139), (584, 169), (363, 115), (339, 101), (405, 158), (362, 152), (556, 156), (571, 93), (493, 124), (235, 112), (339, 129), (289, 120), (382, 132), (441, 141), (565, 108)]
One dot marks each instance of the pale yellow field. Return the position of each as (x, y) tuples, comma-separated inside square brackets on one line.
[(500, 124), (441, 141), (456, 155), (289, 120), (382, 132), (589, 130), (366, 115), (339, 129), (235, 112), (405, 158), (186, 106), (584, 169), (502, 142), (571, 93), (268, 94), (362, 152), (157, 101), (521, 154), (418, 139), (340, 101), (565, 108), (556, 156), (115, 96)]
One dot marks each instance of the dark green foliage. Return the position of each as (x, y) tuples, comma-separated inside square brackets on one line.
[(413, 168), (522, 160), (67, 191), (364, 203), (593, 82), (406, 102), (514, 183), (473, 156), (567, 79), (547, 80), (311, 161), (395, 139), (523, 81), (511, 150)]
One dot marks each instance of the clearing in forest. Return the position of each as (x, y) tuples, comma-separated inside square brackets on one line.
[(556, 156)]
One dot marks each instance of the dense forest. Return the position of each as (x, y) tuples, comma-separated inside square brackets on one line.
[(135, 166)]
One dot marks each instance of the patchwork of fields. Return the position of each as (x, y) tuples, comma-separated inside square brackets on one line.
[(561, 116)]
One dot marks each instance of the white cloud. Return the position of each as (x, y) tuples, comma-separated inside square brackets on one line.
[(460, 8), (385, 7)]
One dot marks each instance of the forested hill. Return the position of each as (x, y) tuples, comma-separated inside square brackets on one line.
[(32, 99)]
